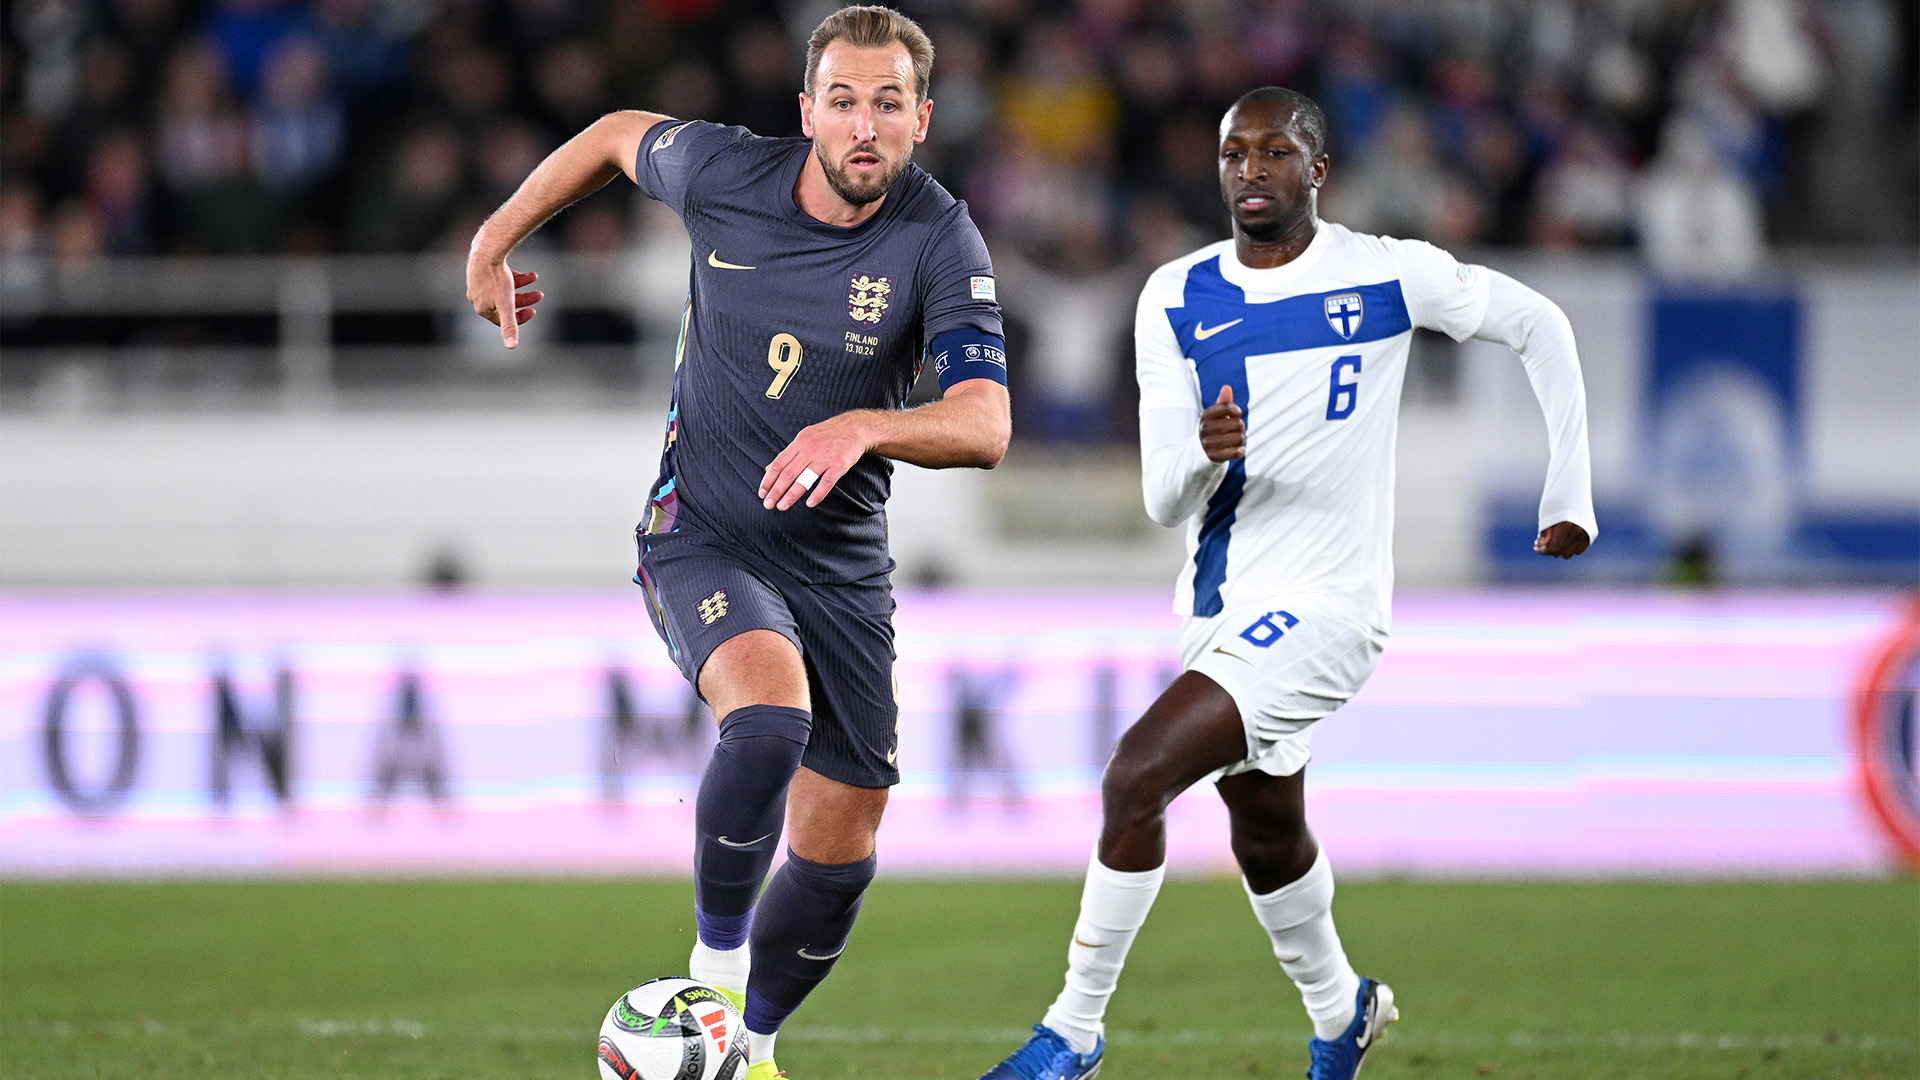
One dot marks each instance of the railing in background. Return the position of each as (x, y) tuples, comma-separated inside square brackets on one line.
[(307, 334)]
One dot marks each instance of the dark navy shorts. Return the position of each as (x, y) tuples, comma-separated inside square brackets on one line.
[(702, 591)]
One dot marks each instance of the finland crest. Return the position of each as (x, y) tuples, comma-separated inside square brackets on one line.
[(867, 297), (1344, 313)]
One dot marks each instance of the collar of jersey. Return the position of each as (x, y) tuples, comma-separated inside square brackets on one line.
[(1271, 283)]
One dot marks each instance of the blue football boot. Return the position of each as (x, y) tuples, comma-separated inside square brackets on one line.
[(1047, 1056), (1340, 1059)]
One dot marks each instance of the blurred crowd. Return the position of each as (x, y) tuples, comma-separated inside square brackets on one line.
[(1698, 132)]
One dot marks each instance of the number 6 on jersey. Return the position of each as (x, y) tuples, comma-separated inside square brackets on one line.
[(1342, 396), (783, 356)]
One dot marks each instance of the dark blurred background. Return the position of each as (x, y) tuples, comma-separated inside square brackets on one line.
[(1081, 133)]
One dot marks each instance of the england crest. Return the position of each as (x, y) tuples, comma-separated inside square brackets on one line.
[(867, 297), (1344, 313)]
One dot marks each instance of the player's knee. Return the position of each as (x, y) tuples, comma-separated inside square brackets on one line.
[(1134, 786), (761, 745)]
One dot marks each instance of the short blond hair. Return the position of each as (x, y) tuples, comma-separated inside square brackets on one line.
[(872, 26)]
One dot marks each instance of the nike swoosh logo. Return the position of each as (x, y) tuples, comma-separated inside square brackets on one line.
[(738, 844), (1236, 656), (805, 955), (1088, 944), (1202, 333), (892, 754), (716, 261)]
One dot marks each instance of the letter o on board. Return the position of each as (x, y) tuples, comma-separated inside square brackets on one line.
[(79, 670)]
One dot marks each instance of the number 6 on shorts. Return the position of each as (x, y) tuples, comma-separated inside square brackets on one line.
[(1264, 632)]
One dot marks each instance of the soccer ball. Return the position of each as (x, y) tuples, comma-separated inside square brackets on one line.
[(673, 1029)]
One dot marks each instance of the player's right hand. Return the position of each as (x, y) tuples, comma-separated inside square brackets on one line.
[(490, 289), (1223, 434)]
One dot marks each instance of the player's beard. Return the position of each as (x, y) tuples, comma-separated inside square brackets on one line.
[(856, 192)]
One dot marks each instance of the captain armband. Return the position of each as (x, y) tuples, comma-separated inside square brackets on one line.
[(968, 353)]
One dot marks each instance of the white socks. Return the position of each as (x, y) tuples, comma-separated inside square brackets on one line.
[(760, 1047), (1112, 908), (721, 969), (1299, 918), (727, 969)]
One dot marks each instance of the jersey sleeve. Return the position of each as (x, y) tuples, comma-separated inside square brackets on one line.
[(673, 153), (1176, 477), (1535, 328), (1442, 293), (958, 277)]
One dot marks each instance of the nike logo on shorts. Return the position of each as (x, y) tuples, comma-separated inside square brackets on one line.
[(1236, 656), (738, 844)]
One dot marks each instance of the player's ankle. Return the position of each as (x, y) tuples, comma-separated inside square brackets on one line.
[(760, 1046), (1081, 1037), (723, 969)]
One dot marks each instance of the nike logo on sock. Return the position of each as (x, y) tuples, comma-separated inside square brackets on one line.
[(1088, 944), (805, 955), (738, 844)]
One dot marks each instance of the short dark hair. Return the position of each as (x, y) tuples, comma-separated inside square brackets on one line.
[(1307, 117), (869, 27)]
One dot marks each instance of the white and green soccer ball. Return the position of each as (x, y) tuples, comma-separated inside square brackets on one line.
[(673, 1029)]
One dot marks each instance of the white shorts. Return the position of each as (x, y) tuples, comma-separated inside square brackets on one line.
[(1285, 668)]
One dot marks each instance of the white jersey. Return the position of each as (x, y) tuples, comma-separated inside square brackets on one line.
[(1315, 351)]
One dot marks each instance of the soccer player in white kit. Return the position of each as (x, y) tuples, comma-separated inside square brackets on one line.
[(1270, 368)]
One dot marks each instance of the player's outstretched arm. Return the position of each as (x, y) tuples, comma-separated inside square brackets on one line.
[(1535, 328), (968, 428), (608, 147)]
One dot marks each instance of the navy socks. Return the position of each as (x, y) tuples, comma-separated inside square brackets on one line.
[(800, 924), (737, 819), (801, 929)]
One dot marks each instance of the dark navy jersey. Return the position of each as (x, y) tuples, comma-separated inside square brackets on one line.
[(791, 321)]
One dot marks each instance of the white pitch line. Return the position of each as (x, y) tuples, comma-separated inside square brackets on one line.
[(1406, 1038)]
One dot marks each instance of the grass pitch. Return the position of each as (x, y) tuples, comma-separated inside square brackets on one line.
[(479, 980)]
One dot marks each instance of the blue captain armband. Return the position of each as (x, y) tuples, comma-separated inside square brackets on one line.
[(968, 353)]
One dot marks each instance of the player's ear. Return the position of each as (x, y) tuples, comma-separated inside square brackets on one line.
[(1317, 172), (806, 115), (926, 116)]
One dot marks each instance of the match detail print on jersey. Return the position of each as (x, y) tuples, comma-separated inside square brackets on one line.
[(1219, 330)]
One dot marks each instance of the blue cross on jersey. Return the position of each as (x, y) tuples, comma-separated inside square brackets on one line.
[(1219, 329)]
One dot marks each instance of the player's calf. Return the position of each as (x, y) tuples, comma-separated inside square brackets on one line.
[(804, 918), (737, 820)]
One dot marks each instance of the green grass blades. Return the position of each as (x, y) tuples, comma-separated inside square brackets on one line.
[(478, 980)]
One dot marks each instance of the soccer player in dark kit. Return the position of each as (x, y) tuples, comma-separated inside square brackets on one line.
[(825, 270)]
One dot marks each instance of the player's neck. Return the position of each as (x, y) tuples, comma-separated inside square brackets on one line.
[(817, 199), (1279, 251)]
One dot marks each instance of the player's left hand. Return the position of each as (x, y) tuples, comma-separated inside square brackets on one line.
[(1563, 539), (826, 451)]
